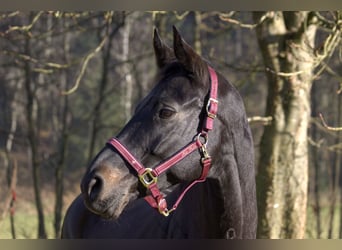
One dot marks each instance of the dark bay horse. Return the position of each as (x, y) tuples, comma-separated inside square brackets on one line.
[(190, 129)]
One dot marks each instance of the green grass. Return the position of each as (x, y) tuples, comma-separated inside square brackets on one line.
[(311, 231), (25, 226)]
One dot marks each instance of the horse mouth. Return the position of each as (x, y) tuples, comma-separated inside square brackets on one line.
[(110, 208)]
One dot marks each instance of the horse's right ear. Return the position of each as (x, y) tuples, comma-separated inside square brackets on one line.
[(188, 57), (163, 53)]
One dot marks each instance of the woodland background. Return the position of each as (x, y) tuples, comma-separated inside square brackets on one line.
[(70, 80)]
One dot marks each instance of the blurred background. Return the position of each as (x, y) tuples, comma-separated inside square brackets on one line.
[(70, 80)]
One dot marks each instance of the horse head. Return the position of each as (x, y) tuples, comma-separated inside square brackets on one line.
[(169, 118)]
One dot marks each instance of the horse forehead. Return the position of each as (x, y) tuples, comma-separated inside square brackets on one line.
[(178, 86)]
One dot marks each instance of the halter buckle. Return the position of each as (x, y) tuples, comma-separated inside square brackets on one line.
[(210, 114), (147, 178)]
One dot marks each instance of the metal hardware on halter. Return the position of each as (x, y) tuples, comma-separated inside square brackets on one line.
[(166, 212), (147, 178), (205, 153), (203, 147), (203, 136), (210, 114), (163, 209)]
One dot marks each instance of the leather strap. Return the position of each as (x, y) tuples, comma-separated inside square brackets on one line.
[(212, 104), (159, 169), (126, 155)]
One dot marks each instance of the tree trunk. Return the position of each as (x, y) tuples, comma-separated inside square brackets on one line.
[(31, 115), (59, 172), (286, 43), (334, 173), (316, 163), (8, 164), (63, 141), (128, 82), (197, 32), (12, 185), (111, 31), (12, 164), (339, 157)]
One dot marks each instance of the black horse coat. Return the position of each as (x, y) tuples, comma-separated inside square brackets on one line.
[(139, 220)]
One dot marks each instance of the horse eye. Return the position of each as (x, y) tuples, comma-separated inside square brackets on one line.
[(166, 113)]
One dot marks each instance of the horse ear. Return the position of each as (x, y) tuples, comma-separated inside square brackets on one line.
[(188, 57), (163, 53)]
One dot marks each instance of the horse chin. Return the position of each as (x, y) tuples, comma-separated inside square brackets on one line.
[(111, 208)]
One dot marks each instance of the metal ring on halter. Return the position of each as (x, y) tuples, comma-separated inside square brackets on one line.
[(202, 136)]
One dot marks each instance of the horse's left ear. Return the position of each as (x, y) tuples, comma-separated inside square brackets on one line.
[(163, 53), (188, 57)]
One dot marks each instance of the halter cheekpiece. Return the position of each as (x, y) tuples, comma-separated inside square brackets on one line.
[(149, 176)]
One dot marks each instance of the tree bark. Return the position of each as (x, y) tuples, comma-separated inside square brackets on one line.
[(334, 173), (339, 157), (12, 185), (316, 163), (63, 141), (60, 169), (335, 170), (286, 43)]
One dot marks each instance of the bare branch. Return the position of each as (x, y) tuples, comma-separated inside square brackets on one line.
[(7, 15), (284, 73), (315, 144), (84, 66), (108, 17), (335, 147), (264, 120), (36, 61), (227, 18), (317, 122), (320, 145), (26, 28), (339, 91), (227, 15), (332, 41), (181, 16), (328, 127), (323, 20)]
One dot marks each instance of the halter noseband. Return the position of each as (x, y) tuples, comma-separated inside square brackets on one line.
[(149, 176)]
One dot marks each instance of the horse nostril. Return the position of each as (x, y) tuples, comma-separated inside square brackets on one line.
[(94, 188)]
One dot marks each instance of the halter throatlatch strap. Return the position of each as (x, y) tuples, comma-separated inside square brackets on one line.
[(149, 176), (212, 104)]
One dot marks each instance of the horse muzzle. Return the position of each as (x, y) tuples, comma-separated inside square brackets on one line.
[(107, 190)]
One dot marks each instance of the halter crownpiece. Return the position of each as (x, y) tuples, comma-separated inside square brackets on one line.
[(149, 176)]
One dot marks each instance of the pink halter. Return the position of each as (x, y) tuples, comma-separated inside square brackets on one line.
[(149, 176)]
